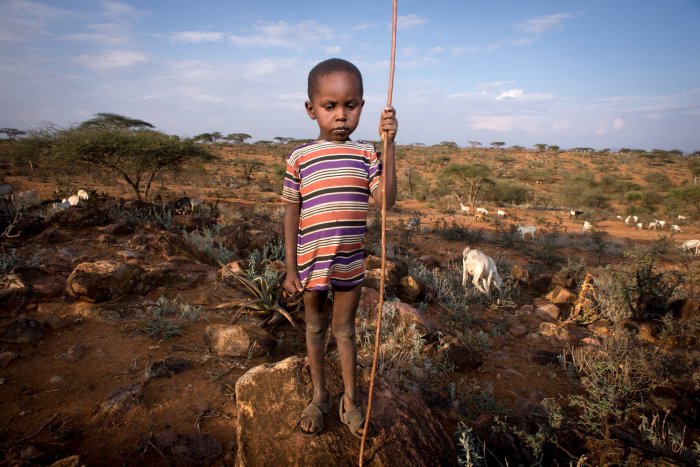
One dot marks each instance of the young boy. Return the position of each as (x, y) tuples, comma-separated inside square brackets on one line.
[(326, 189)]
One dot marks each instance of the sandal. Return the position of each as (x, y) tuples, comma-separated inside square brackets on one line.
[(315, 412), (353, 419)]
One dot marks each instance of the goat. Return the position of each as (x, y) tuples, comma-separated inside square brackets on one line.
[(676, 228), (72, 200), (482, 211), (466, 209), (587, 226), (82, 194), (482, 268), (635, 219), (681, 218), (501, 213), (639, 226), (413, 224), (574, 213), (479, 216), (627, 220), (618, 217), (662, 224), (527, 229), (691, 244), (653, 225)]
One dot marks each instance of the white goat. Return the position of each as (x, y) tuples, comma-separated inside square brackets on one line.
[(482, 211), (662, 224), (692, 244), (635, 218), (73, 200), (618, 217), (639, 226), (527, 230), (627, 220), (501, 213), (587, 226), (482, 268), (574, 213), (653, 225), (466, 209), (82, 194), (676, 228), (682, 218)]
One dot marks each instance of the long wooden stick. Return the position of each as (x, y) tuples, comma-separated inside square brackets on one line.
[(380, 306)]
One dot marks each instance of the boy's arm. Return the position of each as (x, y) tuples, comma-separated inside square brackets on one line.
[(292, 283), (388, 126)]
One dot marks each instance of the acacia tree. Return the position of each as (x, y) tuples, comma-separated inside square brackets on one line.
[(469, 179), (474, 143), (128, 147), (238, 138), (540, 146), (12, 133)]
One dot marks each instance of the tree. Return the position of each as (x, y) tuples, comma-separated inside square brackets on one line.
[(216, 136), (694, 166), (555, 149), (128, 147), (474, 143), (686, 196), (282, 139), (448, 144), (12, 133), (540, 146), (237, 138), (498, 144), (204, 138), (469, 178), (249, 166)]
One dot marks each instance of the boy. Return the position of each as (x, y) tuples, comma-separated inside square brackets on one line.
[(326, 189)]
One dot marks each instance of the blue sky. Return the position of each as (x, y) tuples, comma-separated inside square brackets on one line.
[(594, 73)]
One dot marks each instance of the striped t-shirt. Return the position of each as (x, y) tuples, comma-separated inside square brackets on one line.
[(332, 181)]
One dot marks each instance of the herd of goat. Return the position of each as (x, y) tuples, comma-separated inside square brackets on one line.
[(475, 263)]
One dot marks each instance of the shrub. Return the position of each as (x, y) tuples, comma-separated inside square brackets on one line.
[(167, 317), (507, 192)]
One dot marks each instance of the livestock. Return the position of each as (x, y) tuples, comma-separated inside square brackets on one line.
[(61, 205), (479, 216), (692, 244), (186, 204), (82, 194), (587, 226), (73, 200), (413, 224), (482, 211), (639, 226), (618, 217), (574, 213), (501, 213), (653, 225), (527, 230), (482, 268), (681, 218), (466, 209), (676, 228), (662, 224), (635, 219), (627, 220)]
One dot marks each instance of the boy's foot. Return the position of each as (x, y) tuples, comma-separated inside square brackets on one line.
[(354, 418), (311, 421)]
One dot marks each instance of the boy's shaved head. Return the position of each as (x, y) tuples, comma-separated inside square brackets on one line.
[(332, 65)]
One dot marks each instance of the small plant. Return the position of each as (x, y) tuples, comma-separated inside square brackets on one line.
[(205, 241), (167, 317), (268, 297), (9, 261), (162, 217), (467, 447), (650, 291)]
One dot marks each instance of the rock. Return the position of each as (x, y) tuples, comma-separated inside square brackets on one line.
[(563, 280), (74, 353), (57, 380), (169, 245), (52, 236), (6, 357), (600, 330), (237, 267), (238, 340), (90, 216), (122, 400), (552, 330), (117, 228), (410, 290), (191, 222), (270, 397), (178, 273), (544, 357), (547, 311), (394, 270), (185, 450), (13, 292), (559, 296), (688, 310), (406, 316), (517, 330), (22, 330), (643, 330), (464, 358), (49, 287), (396, 267), (127, 308), (166, 368), (497, 342), (369, 301), (103, 280), (105, 239), (519, 273)]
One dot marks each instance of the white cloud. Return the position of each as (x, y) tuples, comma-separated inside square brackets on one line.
[(409, 21), (286, 35), (617, 124), (543, 24), (520, 95), (22, 20), (109, 60), (196, 36), (114, 9), (109, 34), (334, 49)]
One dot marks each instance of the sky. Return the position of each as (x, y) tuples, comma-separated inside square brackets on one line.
[(572, 73)]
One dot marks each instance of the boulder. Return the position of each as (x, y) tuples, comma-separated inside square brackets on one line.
[(687, 309), (238, 340), (127, 308), (547, 311), (410, 289), (89, 216), (407, 315), (13, 292), (169, 245), (123, 400), (560, 296), (103, 280), (178, 273), (270, 398), (22, 330), (519, 273)]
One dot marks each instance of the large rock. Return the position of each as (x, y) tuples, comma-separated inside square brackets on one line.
[(90, 216), (410, 289), (560, 296), (178, 273), (104, 280), (270, 399), (22, 330), (127, 308), (13, 292), (238, 340), (394, 270)]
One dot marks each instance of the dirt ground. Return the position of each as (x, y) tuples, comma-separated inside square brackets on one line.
[(53, 393)]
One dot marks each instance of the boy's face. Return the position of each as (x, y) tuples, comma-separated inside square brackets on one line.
[(336, 105)]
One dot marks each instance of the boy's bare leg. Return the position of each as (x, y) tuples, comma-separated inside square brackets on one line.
[(317, 318), (345, 303)]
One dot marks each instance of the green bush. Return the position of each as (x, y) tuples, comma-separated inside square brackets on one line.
[(506, 192)]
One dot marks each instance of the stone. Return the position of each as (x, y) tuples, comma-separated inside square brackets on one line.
[(464, 357), (270, 398), (71, 461), (552, 330), (166, 368), (123, 400), (13, 292), (74, 353), (117, 228), (563, 280), (127, 308), (179, 273), (169, 245), (237, 267), (407, 315), (547, 311), (517, 330), (76, 216), (689, 309), (560, 296), (519, 273), (238, 340), (369, 301), (410, 289), (50, 286), (104, 280), (185, 450), (22, 330)]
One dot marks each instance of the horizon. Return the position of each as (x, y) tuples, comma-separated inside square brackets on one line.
[(573, 74)]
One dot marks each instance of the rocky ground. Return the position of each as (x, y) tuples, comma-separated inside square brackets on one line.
[(120, 344)]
